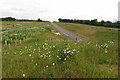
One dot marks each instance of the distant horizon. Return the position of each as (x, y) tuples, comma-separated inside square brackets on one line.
[(56, 20)]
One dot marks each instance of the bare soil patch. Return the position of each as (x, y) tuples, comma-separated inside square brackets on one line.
[(6, 25), (111, 68)]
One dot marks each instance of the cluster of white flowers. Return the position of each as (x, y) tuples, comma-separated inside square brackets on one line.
[(69, 51), (110, 42)]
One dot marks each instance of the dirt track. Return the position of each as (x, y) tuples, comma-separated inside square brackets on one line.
[(69, 34)]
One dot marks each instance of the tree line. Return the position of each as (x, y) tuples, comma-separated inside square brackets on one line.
[(14, 19), (93, 22), (8, 19)]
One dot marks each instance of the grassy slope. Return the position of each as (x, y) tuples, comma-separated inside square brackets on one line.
[(101, 35), (39, 57), (92, 32)]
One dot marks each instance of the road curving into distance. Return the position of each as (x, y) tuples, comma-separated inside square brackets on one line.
[(69, 34)]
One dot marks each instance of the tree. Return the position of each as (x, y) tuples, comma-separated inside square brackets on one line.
[(39, 20), (8, 19), (60, 20)]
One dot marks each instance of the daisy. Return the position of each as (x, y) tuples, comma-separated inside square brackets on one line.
[(36, 64), (46, 66), (53, 64), (23, 75)]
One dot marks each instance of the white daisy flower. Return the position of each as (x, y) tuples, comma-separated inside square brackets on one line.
[(65, 59), (36, 64), (105, 51), (53, 64), (23, 75), (29, 54), (46, 66)]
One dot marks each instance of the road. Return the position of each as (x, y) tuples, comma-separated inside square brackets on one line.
[(69, 34)]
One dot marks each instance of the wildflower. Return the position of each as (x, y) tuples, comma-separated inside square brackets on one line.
[(65, 59), (43, 46), (105, 51), (49, 52), (53, 64), (63, 62), (74, 50), (71, 52), (29, 54), (59, 58), (46, 66), (46, 44), (34, 49), (23, 75), (53, 45), (111, 42), (41, 56), (36, 64), (67, 51)]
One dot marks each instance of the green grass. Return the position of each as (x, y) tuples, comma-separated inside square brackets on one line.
[(38, 53), (92, 32)]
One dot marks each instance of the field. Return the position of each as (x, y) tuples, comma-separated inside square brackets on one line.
[(32, 50)]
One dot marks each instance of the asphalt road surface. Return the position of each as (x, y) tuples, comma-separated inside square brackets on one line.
[(69, 34)]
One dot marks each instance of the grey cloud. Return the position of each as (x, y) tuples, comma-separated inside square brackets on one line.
[(6, 13), (43, 11), (18, 9)]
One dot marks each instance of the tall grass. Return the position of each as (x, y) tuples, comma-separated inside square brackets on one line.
[(40, 57)]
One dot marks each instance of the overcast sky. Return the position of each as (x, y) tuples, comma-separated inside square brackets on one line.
[(53, 9)]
